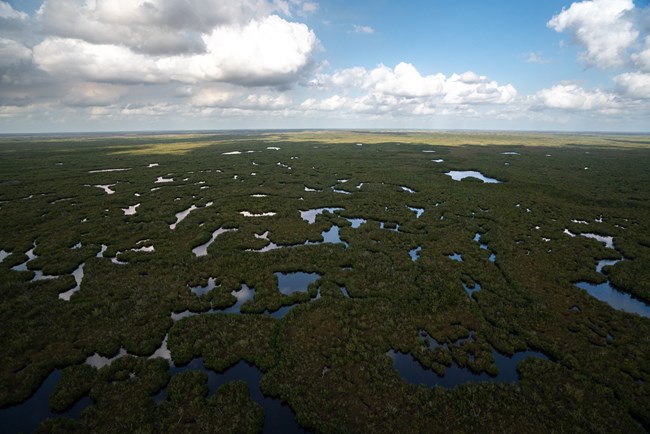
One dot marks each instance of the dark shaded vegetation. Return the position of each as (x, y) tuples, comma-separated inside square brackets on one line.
[(327, 357)]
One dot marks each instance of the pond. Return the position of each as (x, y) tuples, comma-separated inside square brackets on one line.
[(180, 216), (456, 257), (471, 290), (295, 282), (617, 299), (27, 416), (130, 210), (242, 295), (278, 416), (418, 211), (106, 188), (413, 372), (78, 274), (459, 175), (310, 215), (199, 290), (407, 189), (356, 222), (202, 250), (415, 253)]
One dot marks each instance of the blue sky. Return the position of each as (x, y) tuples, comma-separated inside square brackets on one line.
[(81, 65)]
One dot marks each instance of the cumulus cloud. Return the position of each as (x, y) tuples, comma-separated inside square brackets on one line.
[(13, 53), (270, 51), (634, 84), (604, 27), (151, 26), (471, 88), (405, 81), (11, 19), (574, 97)]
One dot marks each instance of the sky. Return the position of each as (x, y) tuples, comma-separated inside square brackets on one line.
[(145, 65)]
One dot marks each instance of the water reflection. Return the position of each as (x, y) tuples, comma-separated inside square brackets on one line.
[(288, 283), (278, 416), (310, 215), (201, 290), (456, 257), (356, 222), (418, 211), (242, 295), (415, 253), (202, 250), (413, 372), (459, 175), (472, 290), (27, 416), (180, 216), (610, 295), (78, 277)]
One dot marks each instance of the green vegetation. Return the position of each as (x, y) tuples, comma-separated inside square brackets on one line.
[(327, 357)]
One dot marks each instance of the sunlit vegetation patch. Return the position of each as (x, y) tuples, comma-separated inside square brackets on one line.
[(457, 276)]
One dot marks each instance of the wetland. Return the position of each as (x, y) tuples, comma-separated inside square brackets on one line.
[(303, 281)]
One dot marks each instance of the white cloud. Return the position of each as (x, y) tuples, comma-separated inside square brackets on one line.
[(634, 84), (365, 30), (603, 27), (270, 51), (404, 80), (535, 57), (151, 26), (332, 103), (212, 97), (470, 88), (13, 52), (574, 97), (9, 13)]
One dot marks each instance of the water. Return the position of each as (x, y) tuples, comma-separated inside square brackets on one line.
[(3, 255), (382, 225), (78, 277), (407, 189), (162, 179), (459, 175), (98, 362), (418, 211), (264, 214), (456, 257), (471, 291), (27, 416), (108, 170), (345, 292), (295, 282), (415, 253), (201, 290), (332, 236), (413, 372), (335, 190), (242, 295), (310, 215), (180, 216), (202, 250), (356, 222), (278, 416), (438, 160), (477, 238), (131, 210), (106, 188), (608, 241)]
